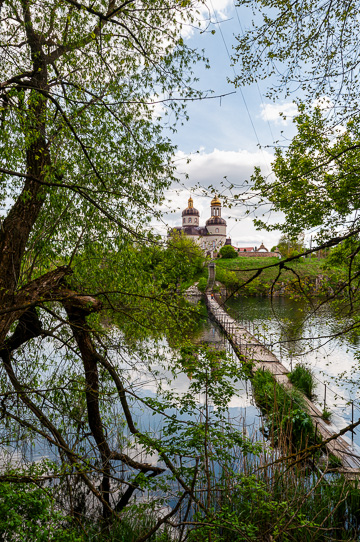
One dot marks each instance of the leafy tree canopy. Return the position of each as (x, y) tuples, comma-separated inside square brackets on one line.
[(227, 251), (310, 48), (84, 165)]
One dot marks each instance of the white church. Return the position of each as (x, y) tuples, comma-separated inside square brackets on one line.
[(210, 237)]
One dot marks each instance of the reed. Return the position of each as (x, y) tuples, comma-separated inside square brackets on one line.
[(303, 379), (286, 413)]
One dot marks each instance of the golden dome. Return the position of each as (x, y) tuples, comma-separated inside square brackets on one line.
[(190, 209), (215, 202)]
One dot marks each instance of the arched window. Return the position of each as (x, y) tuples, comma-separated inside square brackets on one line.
[(214, 244), (216, 230), (184, 220), (195, 220), (189, 220)]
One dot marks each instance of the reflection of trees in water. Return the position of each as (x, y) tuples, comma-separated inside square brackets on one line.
[(291, 332), (298, 325)]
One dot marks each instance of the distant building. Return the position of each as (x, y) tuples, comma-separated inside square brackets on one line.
[(210, 237), (254, 251), (244, 249)]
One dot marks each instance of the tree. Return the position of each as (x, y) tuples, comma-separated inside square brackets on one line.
[(290, 246), (184, 259), (311, 46), (227, 251), (84, 166)]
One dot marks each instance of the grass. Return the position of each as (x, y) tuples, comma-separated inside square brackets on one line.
[(299, 277), (303, 379), (326, 415), (130, 528), (334, 461), (285, 410), (282, 502)]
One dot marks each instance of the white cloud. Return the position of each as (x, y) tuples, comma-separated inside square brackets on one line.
[(210, 168), (279, 113), (216, 12), (324, 103), (220, 8)]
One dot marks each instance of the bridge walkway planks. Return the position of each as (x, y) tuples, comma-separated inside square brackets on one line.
[(249, 348)]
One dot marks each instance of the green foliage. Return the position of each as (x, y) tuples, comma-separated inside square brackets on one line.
[(303, 379), (343, 254), (202, 284), (184, 260), (289, 247), (141, 285), (309, 46), (278, 503), (28, 513), (137, 522), (334, 461), (312, 194), (315, 184), (286, 411), (326, 414), (227, 251), (85, 168), (298, 279)]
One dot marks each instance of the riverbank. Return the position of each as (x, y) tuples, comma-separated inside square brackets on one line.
[(261, 358), (297, 278)]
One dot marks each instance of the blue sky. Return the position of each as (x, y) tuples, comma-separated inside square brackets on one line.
[(223, 135)]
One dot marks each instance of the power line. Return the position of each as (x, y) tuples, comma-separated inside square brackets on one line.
[(241, 92), (257, 84)]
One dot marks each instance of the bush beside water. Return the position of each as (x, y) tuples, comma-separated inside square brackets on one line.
[(286, 411), (303, 379)]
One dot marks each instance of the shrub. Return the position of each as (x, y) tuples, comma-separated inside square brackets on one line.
[(227, 251), (202, 284), (303, 379), (27, 512), (285, 410)]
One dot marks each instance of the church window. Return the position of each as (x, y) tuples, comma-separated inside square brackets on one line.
[(184, 220), (216, 230), (195, 220), (189, 220), (214, 244)]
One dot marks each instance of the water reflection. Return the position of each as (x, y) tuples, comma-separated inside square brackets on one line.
[(148, 373), (296, 332)]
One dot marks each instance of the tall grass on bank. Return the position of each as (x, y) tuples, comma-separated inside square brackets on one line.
[(303, 379), (133, 526), (283, 504)]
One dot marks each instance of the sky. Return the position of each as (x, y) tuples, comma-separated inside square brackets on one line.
[(224, 135)]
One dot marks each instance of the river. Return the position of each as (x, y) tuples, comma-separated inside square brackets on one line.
[(298, 334), (291, 333)]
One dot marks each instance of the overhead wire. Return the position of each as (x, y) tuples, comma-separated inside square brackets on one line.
[(257, 84), (240, 89)]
